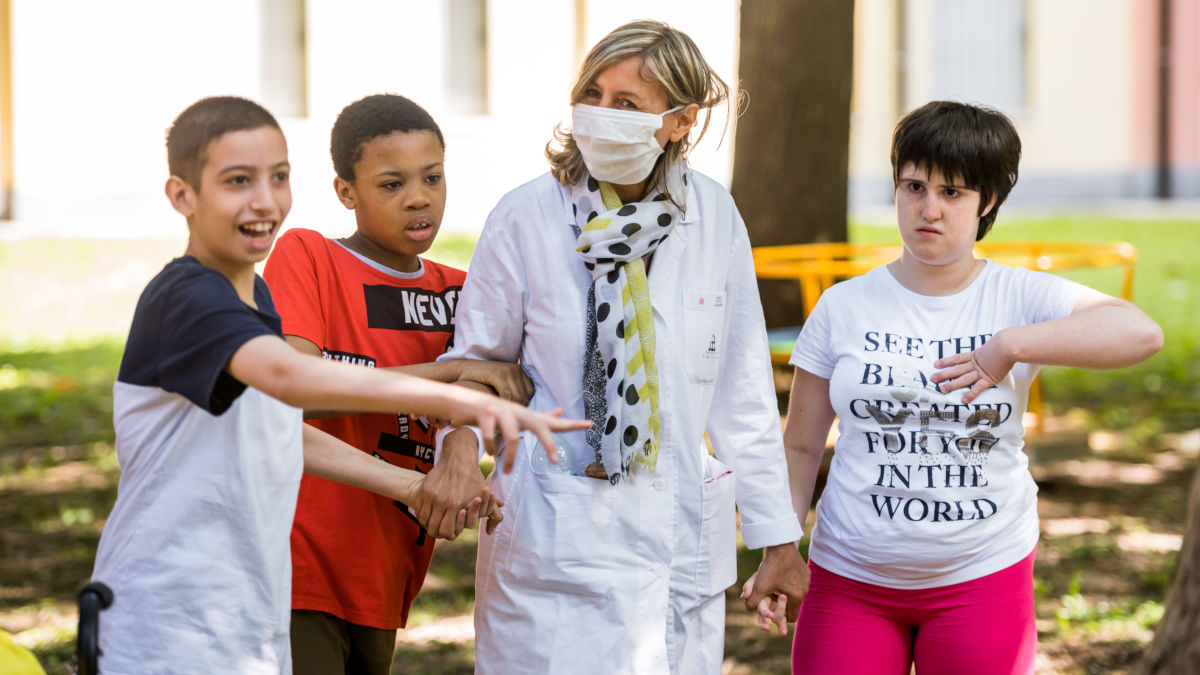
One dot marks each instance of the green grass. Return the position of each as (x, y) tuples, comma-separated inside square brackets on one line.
[(57, 397), (453, 248), (1166, 280)]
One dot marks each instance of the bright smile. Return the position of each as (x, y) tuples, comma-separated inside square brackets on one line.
[(259, 232)]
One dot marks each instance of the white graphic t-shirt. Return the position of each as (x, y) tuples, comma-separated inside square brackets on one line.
[(924, 491)]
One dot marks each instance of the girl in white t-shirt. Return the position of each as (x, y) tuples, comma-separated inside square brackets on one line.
[(927, 527)]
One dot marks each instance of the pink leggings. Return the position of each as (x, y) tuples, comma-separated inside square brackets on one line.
[(983, 627)]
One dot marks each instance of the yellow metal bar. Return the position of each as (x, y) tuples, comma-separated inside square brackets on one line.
[(581, 45), (6, 112), (817, 266)]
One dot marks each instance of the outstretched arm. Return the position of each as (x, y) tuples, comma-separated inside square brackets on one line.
[(268, 364), (810, 416), (1101, 333), (505, 380)]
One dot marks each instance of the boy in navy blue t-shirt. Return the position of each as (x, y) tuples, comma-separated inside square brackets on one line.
[(207, 411)]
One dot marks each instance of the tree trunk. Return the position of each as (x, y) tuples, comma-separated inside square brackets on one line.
[(1176, 645), (793, 141)]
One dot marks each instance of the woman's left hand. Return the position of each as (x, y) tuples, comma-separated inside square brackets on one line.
[(979, 370), (782, 576)]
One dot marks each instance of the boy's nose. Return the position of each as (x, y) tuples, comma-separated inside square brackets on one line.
[(262, 198), (416, 197)]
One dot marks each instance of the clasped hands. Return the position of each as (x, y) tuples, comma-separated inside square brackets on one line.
[(776, 590), (454, 495)]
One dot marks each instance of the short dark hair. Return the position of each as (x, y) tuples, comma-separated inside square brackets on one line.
[(202, 123), (371, 117), (975, 144)]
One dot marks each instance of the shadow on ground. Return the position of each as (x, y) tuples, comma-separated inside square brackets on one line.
[(1111, 529)]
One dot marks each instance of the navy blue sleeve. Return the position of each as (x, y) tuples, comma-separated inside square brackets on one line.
[(188, 324)]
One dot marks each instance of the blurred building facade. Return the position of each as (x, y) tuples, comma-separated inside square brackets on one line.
[(94, 86), (87, 90), (1105, 93)]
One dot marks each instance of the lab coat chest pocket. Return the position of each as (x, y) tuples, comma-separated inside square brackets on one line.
[(703, 319), (717, 568)]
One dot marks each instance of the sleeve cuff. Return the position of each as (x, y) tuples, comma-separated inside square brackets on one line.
[(440, 437), (772, 533)]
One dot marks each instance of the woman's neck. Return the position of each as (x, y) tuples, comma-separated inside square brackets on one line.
[(630, 193)]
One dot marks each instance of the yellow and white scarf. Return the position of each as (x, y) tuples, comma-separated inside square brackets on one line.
[(620, 379)]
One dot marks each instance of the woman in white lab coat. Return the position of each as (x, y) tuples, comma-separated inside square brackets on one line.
[(622, 280)]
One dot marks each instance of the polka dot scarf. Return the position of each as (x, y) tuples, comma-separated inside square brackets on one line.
[(620, 379)]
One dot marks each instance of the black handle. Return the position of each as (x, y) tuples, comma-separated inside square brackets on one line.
[(93, 597)]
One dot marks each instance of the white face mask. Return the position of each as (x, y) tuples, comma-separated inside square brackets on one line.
[(618, 146)]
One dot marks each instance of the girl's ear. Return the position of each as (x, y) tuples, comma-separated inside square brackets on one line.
[(990, 206), (182, 196)]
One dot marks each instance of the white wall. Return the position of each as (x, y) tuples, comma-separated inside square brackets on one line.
[(95, 86)]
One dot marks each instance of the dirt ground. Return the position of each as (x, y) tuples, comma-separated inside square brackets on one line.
[(1111, 527)]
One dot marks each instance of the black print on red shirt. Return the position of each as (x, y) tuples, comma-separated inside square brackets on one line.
[(349, 357), (393, 308), (401, 444), (407, 511)]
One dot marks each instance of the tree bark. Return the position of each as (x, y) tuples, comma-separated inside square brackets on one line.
[(793, 141), (1176, 645)]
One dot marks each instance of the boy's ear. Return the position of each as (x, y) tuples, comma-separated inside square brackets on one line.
[(345, 193), (182, 196)]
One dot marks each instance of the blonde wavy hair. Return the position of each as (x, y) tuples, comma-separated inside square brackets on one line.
[(670, 59)]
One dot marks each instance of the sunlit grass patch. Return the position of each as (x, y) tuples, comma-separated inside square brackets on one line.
[(1113, 620), (453, 248), (57, 397)]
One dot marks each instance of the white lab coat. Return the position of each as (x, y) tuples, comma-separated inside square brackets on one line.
[(583, 576)]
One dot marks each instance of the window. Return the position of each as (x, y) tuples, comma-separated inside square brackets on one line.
[(979, 52), (284, 57), (466, 57)]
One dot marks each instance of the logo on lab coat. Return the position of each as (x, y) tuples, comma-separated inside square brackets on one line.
[(710, 352)]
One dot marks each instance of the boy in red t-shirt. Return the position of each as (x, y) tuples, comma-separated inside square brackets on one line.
[(359, 559)]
